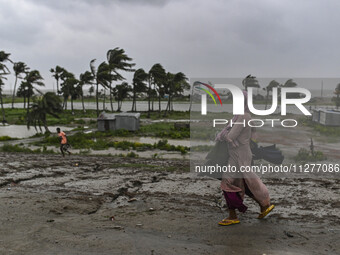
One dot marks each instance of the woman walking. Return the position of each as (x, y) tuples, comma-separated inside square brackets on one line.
[(235, 187)]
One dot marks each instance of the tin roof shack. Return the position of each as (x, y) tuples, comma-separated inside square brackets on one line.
[(128, 121), (327, 117), (106, 122)]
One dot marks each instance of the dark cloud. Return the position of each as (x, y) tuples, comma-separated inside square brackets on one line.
[(201, 38)]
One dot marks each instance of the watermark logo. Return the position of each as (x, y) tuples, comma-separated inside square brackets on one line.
[(239, 99)]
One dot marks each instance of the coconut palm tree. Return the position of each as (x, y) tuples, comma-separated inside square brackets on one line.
[(159, 77), (138, 86), (48, 104), (269, 88), (18, 68), (290, 83), (1, 100), (85, 79), (174, 83), (120, 93), (32, 78), (91, 90), (156, 74), (69, 88), (4, 57), (250, 81), (118, 61), (57, 74), (102, 76)]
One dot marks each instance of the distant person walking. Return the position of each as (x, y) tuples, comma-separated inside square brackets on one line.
[(64, 145), (234, 187)]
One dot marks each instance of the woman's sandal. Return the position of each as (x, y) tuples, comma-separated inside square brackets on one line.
[(265, 212), (227, 222)]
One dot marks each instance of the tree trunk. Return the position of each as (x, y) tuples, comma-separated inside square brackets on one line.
[(15, 85), (104, 100), (267, 98), (168, 106), (149, 98), (111, 99), (3, 110), (118, 106), (97, 103), (72, 106), (57, 86), (28, 105), (65, 103), (82, 101), (159, 106), (134, 101), (46, 127), (191, 97), (24, 102)]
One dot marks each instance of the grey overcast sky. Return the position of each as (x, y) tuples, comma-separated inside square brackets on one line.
[(215, 38)]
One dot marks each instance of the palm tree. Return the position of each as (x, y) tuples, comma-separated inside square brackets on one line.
[(18, 68), (337, 93), (138, 86), (290, 83), (69, 88), (118, 61), (32, 78), (102, 76), (57, 74), (250, 81), (269, 88), (120, 93), (85, 79), (4, 57), (1, 101), (91, 90), (174, 82), (50, 104), (158, 77)]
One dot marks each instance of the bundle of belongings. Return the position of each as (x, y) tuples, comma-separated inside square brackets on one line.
[(219, 155)]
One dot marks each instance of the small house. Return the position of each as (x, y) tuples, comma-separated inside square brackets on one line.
[(128, 121), (327, 117), (106, 121)]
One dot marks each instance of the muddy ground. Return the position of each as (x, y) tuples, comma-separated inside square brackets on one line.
[(111, 205)]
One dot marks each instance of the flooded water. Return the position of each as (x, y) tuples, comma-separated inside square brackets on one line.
[(176, 142), (178, 106), (21, 131)]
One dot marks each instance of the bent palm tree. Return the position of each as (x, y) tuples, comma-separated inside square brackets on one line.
[(102, 76), (269, 88), (174, 83), (158, 78), (18, 68), (84, 79), (57, 74), (32, 78), (1, 101), (120, 93), (118, 61), (49, 104), (4, 57), (138, 86)]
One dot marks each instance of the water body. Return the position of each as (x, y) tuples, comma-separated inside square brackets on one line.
[(21, 131), (178, 106)]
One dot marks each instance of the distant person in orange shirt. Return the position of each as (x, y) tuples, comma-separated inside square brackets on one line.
[(64, 146)]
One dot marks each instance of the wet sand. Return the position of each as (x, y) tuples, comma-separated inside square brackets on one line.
[(80, 205)]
